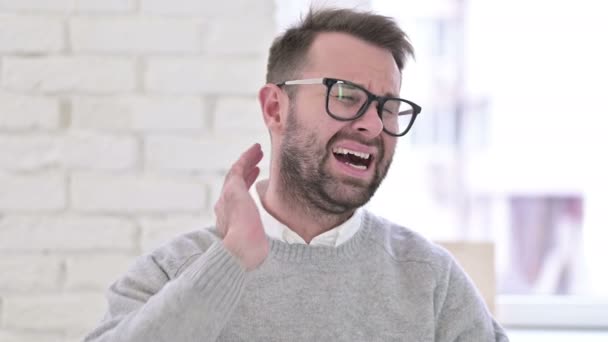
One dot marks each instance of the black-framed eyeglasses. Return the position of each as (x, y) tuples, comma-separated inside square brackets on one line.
[(347, 101)]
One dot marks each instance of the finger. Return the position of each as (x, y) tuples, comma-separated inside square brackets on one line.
[(249, 159), (219, 218), (252, 175)]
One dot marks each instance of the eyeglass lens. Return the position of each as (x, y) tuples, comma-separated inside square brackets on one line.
[(346, 100)]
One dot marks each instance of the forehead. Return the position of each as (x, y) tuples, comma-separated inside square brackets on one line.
[(343, 56)]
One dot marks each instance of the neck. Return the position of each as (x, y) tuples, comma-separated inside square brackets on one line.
[(302, 218)]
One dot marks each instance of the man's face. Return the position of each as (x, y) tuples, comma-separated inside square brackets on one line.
[(336, 166)]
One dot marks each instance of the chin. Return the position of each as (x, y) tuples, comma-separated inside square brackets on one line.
[(352, 194)]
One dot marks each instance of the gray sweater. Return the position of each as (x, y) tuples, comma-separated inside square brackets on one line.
[(384, 284)]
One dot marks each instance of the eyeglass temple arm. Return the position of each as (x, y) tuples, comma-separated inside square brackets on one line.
[(306, 81)]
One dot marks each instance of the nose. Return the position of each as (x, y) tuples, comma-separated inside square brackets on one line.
[(370, 124)]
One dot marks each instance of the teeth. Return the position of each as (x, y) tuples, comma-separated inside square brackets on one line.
[(360, 167), (341, 150)]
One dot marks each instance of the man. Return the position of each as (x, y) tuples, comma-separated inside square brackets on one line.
[(299, 260)]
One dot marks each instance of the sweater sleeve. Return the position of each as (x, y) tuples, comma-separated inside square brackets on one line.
[(462, 315), (147, 305)]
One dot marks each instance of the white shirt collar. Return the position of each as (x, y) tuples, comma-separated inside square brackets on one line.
[(334, 237)]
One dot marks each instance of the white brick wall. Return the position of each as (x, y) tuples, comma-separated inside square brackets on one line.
[(158, 231), (37, 5), (28, 152), (136, 193), (145, 35), (30, 273), (263, 10), (44, 233), (31, 192), (80, 150), (139, 113), (67, 74), (71, 312), (194, 153), (238, 114), (213, 75), (22, 336), (95, 151), (19, 112), (67, 6), (30, 34), (95, 271), (108, 6), (118, 119)]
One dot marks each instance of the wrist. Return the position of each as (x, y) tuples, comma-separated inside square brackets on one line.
[(233, 248)]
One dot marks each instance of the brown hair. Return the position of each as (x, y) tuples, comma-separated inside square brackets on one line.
[(288, 51)]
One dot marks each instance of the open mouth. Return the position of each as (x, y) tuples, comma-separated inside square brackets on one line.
[(357, 160)]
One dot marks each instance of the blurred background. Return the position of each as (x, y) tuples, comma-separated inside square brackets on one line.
[(118, 119)]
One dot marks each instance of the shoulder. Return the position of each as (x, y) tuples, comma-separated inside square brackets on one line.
[(405, 245), (176, 254), (151, 271)]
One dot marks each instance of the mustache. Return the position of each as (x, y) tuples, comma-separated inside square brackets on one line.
[(340, 135), (349, 135)]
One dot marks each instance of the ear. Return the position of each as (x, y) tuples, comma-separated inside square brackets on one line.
[(274, 103)]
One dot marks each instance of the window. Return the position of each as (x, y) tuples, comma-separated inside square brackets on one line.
[(510, 147)]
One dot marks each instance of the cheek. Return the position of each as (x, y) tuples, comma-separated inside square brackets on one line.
[(314, 121), (324, 127), (390, 144)]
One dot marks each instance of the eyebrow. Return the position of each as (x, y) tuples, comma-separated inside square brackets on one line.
[(389, 94)]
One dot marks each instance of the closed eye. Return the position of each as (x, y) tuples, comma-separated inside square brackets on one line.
[(345, 98), (388, 111)]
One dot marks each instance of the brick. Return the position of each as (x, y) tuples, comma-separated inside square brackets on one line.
[(136, 193), (238, 114), (75, 151), (105, 6), (58, 74), (263, 9), (26, 273), (193, 153), (28, 112), (183, 7), (53, 312), (30, 34), (95, 272), (38, 5), (158, 231), (221, 31), (66, 233), (32, 192), (23, 336), (94, 151), (138, 113), (31, 152), (226, 76), (146, 34), (222, 35)]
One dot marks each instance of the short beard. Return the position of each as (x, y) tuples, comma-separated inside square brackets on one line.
[(307, 186)]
